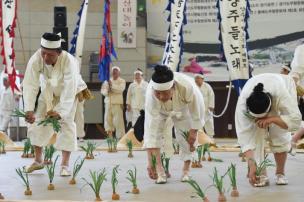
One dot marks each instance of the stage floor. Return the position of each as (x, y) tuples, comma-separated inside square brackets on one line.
[(12, 188)]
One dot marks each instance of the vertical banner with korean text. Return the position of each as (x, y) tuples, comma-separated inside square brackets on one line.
[(233, 35), (126, 23), (174, 43)]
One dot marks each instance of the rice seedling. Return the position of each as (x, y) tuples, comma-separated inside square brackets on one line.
[(50, 168), (133, 179), (198, 190), (25, 180), (97, 179), (89, 149), (130, 148), (232, 177), (114, 182), (76, 168), (165, 163), (48, 154)]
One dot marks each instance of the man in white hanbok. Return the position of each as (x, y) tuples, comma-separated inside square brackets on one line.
[(136, 96), (172, 99), (208, 96), (58, 72), (7, 104), (112, 90), (267, 110)]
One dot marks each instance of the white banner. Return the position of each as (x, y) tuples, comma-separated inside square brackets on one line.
[(82, 25), (234, 37), (172, 52), (8, 24), (275, 30), (126, 23)]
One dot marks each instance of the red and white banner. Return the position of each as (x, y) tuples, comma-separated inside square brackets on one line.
[(8, 17)]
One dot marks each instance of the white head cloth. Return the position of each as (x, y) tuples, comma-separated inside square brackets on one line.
[(115, 67), (162, 86), (51, 44)]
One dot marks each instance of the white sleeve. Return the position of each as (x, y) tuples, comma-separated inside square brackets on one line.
[(153, 122), (104, 88), (211, 97), (81, 84), (68, 93), (31, 84), (245, 127), (288, 107), (129, 93), (196, 107), (297, 64)]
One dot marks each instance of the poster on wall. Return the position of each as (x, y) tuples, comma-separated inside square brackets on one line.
[(126, 23), (275, 29)]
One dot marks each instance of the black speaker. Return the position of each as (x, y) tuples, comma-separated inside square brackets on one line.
[(60, 17), (64, 36)]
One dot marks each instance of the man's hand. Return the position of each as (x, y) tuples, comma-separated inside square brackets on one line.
[(128, 108), (30, 117), (264, 122), (192, 138), (252, 174), (53, 114), (80, 96)]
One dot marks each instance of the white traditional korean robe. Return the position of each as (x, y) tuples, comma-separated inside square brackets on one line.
[(136, 99), (7, 106), (79, 114), (297, 64), (113, 118), (284, 104), (58, 93), (184, 111), (208, 96)]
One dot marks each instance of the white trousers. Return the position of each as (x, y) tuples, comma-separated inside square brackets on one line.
[(4, 121), (135, 113), (79, 119), (163, 137), (113, 119), (40, 135), (279, 141)]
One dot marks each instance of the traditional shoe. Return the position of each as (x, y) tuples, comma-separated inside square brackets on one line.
[(33, 167), (263, 181), (293, 149), (64, 172), (281, 179), (185, 178), (161, 179)]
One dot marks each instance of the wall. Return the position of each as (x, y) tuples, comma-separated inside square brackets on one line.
[(36, 17)]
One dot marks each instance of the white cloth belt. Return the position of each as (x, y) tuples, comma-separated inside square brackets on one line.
[(49, 94), (170, 115)]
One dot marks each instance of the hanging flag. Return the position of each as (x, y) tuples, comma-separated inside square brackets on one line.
[(126, 24), (8, 24), (78, 34), (107, 45), (233, 24), (174, 42)]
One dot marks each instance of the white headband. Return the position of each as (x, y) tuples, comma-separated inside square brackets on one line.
[(287, 68), (138, 72), (162, 86), (262, 114), (200, 75), (50, 44), (115, 67)]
